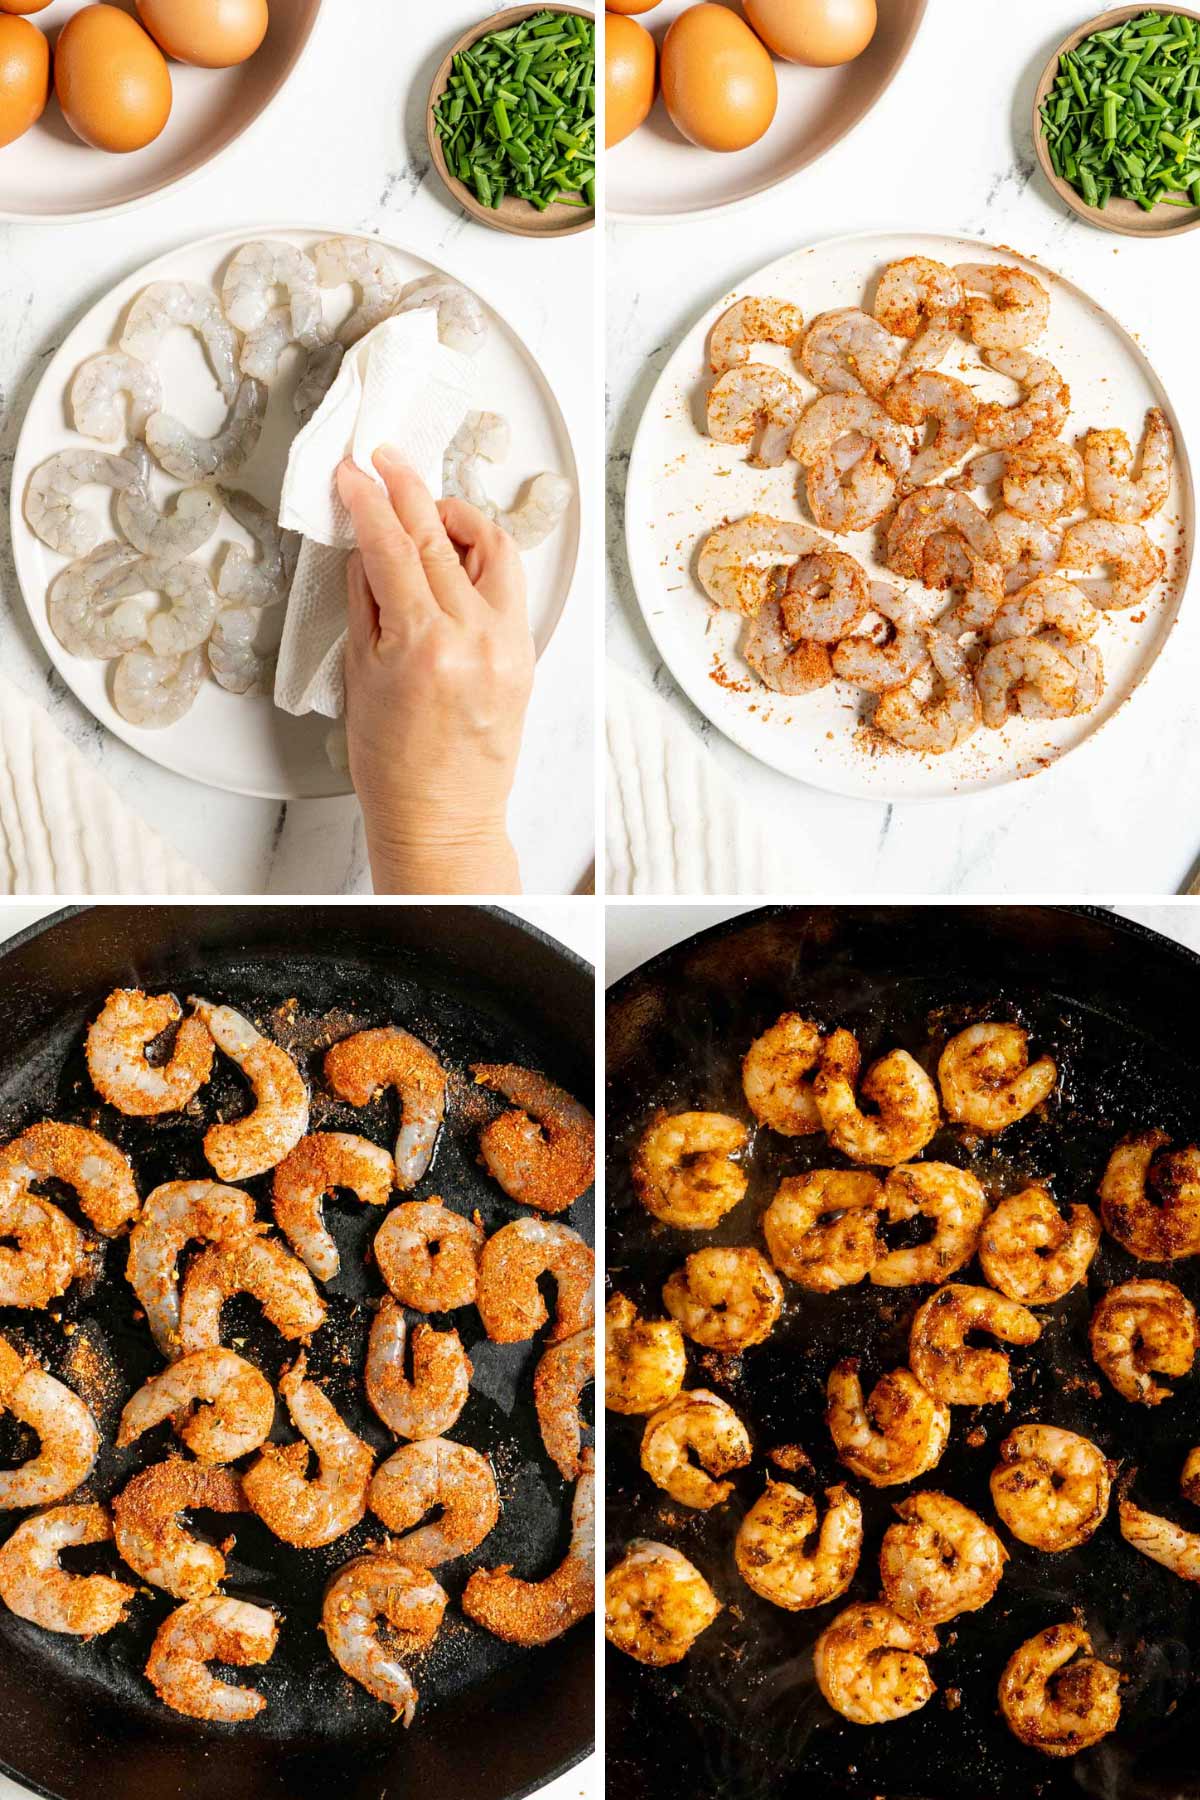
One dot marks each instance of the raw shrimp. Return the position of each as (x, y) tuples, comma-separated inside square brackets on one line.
[(318, 1166), (1113, 492), (987, 1079), (870, 1666), (156, 691), (1034, 1254), (939, 1561), (190, 457), (88, 610), (1150, 1197), (35, 1586), (321, 369), (216, 1629), (1136, 563), (542, 1151), (485, 437), (50, 498), (957, 1206), (461, 321), (849, 352), (69, 1442), (1055, 1696), (776, 1556), (253, 1265), (755, 404), (825, 596), (537, 1612), (368, 1593), (167, 305), (855, 456), (248, 296), (362, 1066), (563, 1372), (894, 1436), (1160, 1539), (1047, 604), (266, 582), (513, 1261), (705, 1426), (1040, 413), (234, 658), (41, 1251), (539, 510), (683, 1172), (1028, 549), (725, 1298), (1051, 1487), (877, 666), (435, 1475), (1006, 308), (1026, 675), (1043, 480), (740, 564), (167, 537), (429, 1255), (102, 384), (897, 1085), (923, 516), (645, 1360), (298, 1510), (958, 1373), (220, 1405), (925, 395), (150, 1533), (1142, 1329), (749, 322), (937, 722), (174, 1215), (773, 1076), (354, 262), (187, 620), (922, 300), (99, 1175), (428, 1405), (784, 663), (656, 1604), (821, 1228), (255, 1143)]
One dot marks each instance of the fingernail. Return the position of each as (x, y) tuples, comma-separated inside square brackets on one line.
[(388, 454)]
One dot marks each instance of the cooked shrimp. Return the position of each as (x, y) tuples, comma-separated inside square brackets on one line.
[(254, 1144), (35, 1587), (924, 395), (1160, 1539), (656, 1604), (429, 1255), (758, 405), (956, 1372), (683, 1170), (1044, 677), (741, 564), (822, 1228), (1051, 1487), (939, 1561), (429, 1404), (371, 1593), (1006, 308), (1055, 1696), (825, 596), (1150, 1197), (869, 1664), (301, 1511), (849, 352), (896, 1435), (513, 1261), (255, 272), (216, 1629), (855, 456), (41, 1251), (157, 691), (1113, 492), (931, 514), (102, 385), (987, 1079), (776, 1557), (773, 1076), (558, 1382), (321, 1163), (435, 1475), (784, 663), (69, 1442), (151, 1536), (174, 1215), (725, 1299), (187, 456), (875, 665), (701, 1423), (255, 1265), (50, 498), (1034, 1253), (1142, 1329), (355, 262), (233, 1402), (537, 1612), (645, 1360), (922, 300), (753, 321), (461, 320), (98, 1174), (166, 535), (542, 1151), (957, 1206), (117, 1042), (1136, 563), (1040, 413), (897, 1085), (362, 1066), (1028, 549)]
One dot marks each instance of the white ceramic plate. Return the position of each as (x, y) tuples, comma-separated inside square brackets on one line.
[(682, 485), (243, 743)]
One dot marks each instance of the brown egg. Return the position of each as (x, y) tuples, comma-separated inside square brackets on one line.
[(717, 79), (111, 79), (821, 33), (24, 77), (617, 6), (629, 59), (210, 34), (23, 6)]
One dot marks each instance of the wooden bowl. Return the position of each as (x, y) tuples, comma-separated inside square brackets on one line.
[(513, 215), (1123, 216)]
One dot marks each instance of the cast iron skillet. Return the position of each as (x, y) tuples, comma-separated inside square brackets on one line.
[(78, 1721), (742, 1717)]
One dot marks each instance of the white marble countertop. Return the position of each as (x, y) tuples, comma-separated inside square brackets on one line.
[(345, 145), (949, 148)]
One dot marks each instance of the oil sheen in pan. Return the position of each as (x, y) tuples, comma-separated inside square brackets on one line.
[(742, 1715)]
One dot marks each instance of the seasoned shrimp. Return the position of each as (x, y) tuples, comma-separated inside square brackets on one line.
[(365, 1597), (319, 1165), (869, 1664), (255, 1143), (50, 498), (35, 1586), (755, 404), (189, 305), (922, 300), (255, 1265), (656, 1604), (41, 1251), (741, 564), (822, 1228), (150, 1533), (301, 1511), (939, 1561), (922, 396), (542, 1151), (99, 1175), (1047, 604), (725, 1299), (1136, 563), (88, 610), (645, 1360), (461, 320), (855, 456), (987, 1079), (1043, 677), (894, 1436), (216, 1629), (939, 512), (537, 1612), (825, 596), (849, 352), (1043, 480), (958, 1373), (749, 322), (1028, 549), (777, 1557), (429, 1255), (190, 457), (897, 1085), (784, 663), (1054, 1694), (513, 1260), (558, 1382), (360, 1067), (773, 1076), (174, 1215), (1150, 1197), (874, 665), (234, 1407), (435, 1476), (1113, 492), (429, 1403), (1142, 1329), (1040, 413), (957, 1206), (243, 582), (100, 389), (1032, 1252), (1160, 1539), (247, 294), (683, 1172), (703, 1424), (156, 691), (187, 619), (1051, 1487), (1006, 308), (167, 536), (68, 1439)]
